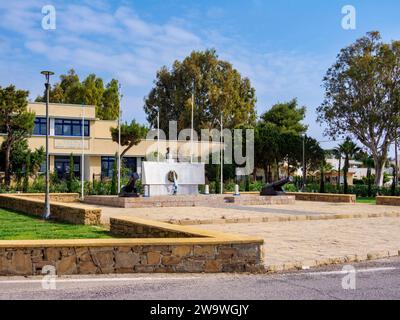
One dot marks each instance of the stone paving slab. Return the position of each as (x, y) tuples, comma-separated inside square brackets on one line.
[(303, 244), (301, 210)]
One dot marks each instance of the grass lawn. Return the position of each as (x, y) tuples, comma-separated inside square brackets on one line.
[(366, 200), (15, 226)]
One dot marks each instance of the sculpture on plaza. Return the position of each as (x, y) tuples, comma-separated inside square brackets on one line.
[(130, 190), (173, 177), (275, 188)]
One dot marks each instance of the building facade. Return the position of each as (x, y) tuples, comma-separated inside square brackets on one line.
[(75, 130)]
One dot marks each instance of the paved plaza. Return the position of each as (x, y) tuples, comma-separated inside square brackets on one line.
[(301, 235), (311, 243), (235, 213)]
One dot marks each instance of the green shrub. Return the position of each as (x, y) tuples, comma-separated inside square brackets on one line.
[(256, 186), (38, 185), (229, 186), (213, 187), (290, 187), (101, 188)]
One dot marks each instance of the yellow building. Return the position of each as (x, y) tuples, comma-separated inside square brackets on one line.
[(67, 122)]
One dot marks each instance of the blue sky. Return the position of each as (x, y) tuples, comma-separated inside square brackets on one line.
[(284, 46)]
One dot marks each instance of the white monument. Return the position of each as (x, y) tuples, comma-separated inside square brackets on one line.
[(172, 178)]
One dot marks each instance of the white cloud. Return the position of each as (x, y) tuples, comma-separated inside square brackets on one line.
[(119, 43)]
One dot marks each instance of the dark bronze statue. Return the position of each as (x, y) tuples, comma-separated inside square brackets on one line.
[(275, 188), (130, 190)]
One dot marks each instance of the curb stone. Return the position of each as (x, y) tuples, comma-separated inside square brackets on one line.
[(290, 218), (310, 264)]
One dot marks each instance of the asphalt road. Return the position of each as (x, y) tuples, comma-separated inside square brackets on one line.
[(373, 280)]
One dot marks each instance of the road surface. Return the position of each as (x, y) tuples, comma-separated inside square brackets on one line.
[(373, 280)]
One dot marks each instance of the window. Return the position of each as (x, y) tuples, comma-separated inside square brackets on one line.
[(67, 127), (40, 127), (42, 168), (107, 166), (129, 165), (61, 164)]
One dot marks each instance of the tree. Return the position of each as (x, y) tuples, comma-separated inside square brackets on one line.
[(24, 163), (284, 122), (111, 100), (114, 179), (314, 154), (217, 87), (266, 147), (393, 187), (15, 120), (336, 152), (287, 117), (131, 135), (272, 147), (27, 173), (90, 91), (368, 162), (18, 159), (349, 149), (324, 167), (71, 173), (362, 96)]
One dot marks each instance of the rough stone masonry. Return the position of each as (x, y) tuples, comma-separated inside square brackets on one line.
[(131, 259)]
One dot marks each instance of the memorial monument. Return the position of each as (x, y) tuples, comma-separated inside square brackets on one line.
[(172, 178)]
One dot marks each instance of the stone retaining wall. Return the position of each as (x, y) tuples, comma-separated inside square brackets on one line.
[(193, 251), (257, 200), (56, 197), (67, 212), (156, 201), (302, 196), (388, 201), (187, 201), (324, 197), (69, 260), (135, 229)]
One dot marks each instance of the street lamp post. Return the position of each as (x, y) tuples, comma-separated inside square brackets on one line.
[(222, 156), (396, 173), (119, 139), (192, 125), (158, 135), (304, 164), (83, 155), (119, 151), (47, 213)]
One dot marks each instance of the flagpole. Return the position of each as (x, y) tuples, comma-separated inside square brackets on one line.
[(222, 156), (158, 135), (83, 155), (192, 120), (119, 139), (119, 151)]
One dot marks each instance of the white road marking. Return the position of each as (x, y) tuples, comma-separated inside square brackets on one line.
[(345, 272), (72, 280)]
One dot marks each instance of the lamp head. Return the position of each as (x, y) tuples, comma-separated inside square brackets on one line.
[(47, 74)]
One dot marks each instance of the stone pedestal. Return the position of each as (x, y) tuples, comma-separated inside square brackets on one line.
[(189, 177)]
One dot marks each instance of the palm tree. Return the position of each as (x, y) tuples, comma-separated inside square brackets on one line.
[(338, 156), (368, 162), (324, 167), (349, 149)]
